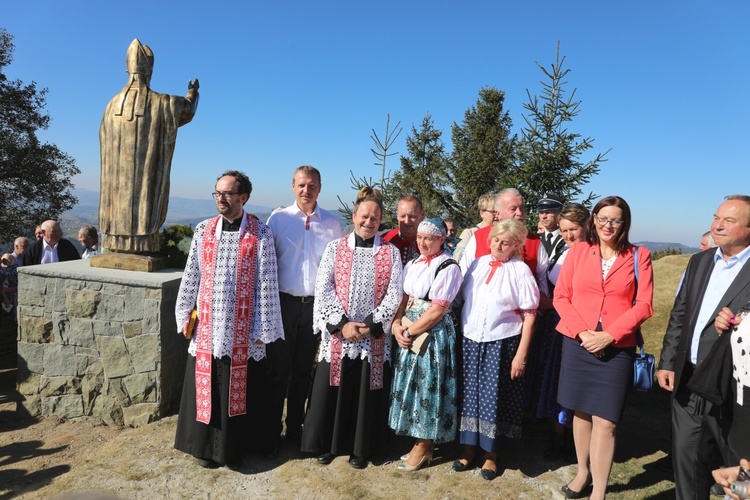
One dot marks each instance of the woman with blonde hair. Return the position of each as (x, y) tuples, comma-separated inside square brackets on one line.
[(500, 297), (486, 206)]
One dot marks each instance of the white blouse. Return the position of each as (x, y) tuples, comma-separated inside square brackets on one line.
[(419, 279), (494, 311), (554, 272)]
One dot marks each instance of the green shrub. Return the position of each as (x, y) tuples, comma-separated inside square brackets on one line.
[(174, 242)]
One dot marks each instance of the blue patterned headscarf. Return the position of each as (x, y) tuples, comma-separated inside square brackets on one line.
[(433, 226)]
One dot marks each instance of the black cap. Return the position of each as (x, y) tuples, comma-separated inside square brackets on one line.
[(550, 202)]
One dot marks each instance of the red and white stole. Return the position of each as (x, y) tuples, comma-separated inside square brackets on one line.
[(342, 275), (247, 260)]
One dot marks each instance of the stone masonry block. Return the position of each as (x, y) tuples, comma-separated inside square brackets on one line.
[(115, 357), (58, 386), (82, 303), (106, 329), (68, 406), (141, 387), (134, 301), (37, 330), (142, 414), (80, 332), (30, 384), (111, 308), (30, 357), (144, 352), (59, 360), (133, 329)]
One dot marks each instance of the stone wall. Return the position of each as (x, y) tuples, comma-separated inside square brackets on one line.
[(99, 342)]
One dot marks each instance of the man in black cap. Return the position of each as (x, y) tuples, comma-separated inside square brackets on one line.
[(549, 208)]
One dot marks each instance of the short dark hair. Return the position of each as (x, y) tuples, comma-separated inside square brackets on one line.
[(245, 187), (592, 237)]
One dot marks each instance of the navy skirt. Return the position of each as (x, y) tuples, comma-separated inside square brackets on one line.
[(597, 386)]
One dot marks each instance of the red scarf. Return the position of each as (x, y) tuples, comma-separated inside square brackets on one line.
[(342, 274), (243, 313)]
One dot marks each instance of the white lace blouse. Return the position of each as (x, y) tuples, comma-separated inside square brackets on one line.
[(266, 325), (494, 311)]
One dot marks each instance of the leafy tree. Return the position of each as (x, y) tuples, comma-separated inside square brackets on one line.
[(549, 154), (35, 177), (426, 171), (483, 151), (385, 186)]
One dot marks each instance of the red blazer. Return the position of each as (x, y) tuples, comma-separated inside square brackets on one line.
[(581, 298)]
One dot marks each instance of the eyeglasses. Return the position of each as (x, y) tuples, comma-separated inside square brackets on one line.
[(485, 210), (603, 221), (225, 195)]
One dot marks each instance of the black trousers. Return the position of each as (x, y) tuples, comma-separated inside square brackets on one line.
[(293, 359), (699, 445)]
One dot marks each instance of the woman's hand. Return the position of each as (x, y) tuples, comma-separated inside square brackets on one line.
[(726, 320), (517, 367), (351, 331), (403, 342), (597, 342)]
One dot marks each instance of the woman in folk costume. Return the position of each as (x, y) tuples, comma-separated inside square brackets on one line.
[(230, 276), (358, 290), (423, 396), (500, 297)]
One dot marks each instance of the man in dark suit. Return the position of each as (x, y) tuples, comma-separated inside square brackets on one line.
[(714, 279), (51, 248)]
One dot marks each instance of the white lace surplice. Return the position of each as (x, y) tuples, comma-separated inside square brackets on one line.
[(266, 325), (328, 309)]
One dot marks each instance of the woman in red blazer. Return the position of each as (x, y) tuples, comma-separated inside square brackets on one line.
[(601, 306)]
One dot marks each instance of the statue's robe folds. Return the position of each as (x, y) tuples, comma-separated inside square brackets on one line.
[(137, 139)]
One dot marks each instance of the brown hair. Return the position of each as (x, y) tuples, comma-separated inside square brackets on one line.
[(307, 170), (574, 212), (590, 234), (368, 193)]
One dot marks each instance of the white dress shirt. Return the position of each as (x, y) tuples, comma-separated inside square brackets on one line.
[(300, 241)]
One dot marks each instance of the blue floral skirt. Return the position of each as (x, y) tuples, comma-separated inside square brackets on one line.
[(423, 393)]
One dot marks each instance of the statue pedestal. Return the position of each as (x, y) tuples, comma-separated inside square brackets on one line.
[(99, 342), (129, 261)]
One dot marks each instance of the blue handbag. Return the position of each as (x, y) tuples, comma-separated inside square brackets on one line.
[(643, 367)]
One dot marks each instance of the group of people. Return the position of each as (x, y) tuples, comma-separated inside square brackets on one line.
[(365, 331)]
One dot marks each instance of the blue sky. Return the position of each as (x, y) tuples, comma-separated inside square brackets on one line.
[(663, 84)]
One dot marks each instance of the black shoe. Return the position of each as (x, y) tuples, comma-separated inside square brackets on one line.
[(568, 493), (207, 464), (326, 458), (459, 466), (488, 474), (358, 462)]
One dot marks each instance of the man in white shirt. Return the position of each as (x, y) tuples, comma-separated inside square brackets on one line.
[(89, 239), (301, 233), (51, 248), (19, 248)]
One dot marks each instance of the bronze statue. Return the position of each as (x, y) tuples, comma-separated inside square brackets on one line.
[(137, 138)]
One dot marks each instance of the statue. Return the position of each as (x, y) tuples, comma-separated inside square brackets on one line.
[(137, 138)]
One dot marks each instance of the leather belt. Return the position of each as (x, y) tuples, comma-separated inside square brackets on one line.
[(295, 298)]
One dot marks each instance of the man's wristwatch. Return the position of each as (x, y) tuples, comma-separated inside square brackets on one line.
[(406, 334)]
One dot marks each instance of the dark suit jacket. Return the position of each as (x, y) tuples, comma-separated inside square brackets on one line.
[(675, 352), (65, 251)]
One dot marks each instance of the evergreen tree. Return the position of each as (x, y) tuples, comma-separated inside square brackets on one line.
[(35, 177), (549, 154), (425, 171), (483, 151)]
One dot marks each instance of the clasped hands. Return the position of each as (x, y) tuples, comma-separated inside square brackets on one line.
[(398, 334), (595, 342), (354, 331)]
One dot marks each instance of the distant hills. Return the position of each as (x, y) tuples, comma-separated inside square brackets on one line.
[(190, 212)]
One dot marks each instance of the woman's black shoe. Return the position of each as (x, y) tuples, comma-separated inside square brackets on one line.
[(568, 493), (358, 462), (488, 474), (459, 466), (326, 458)]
